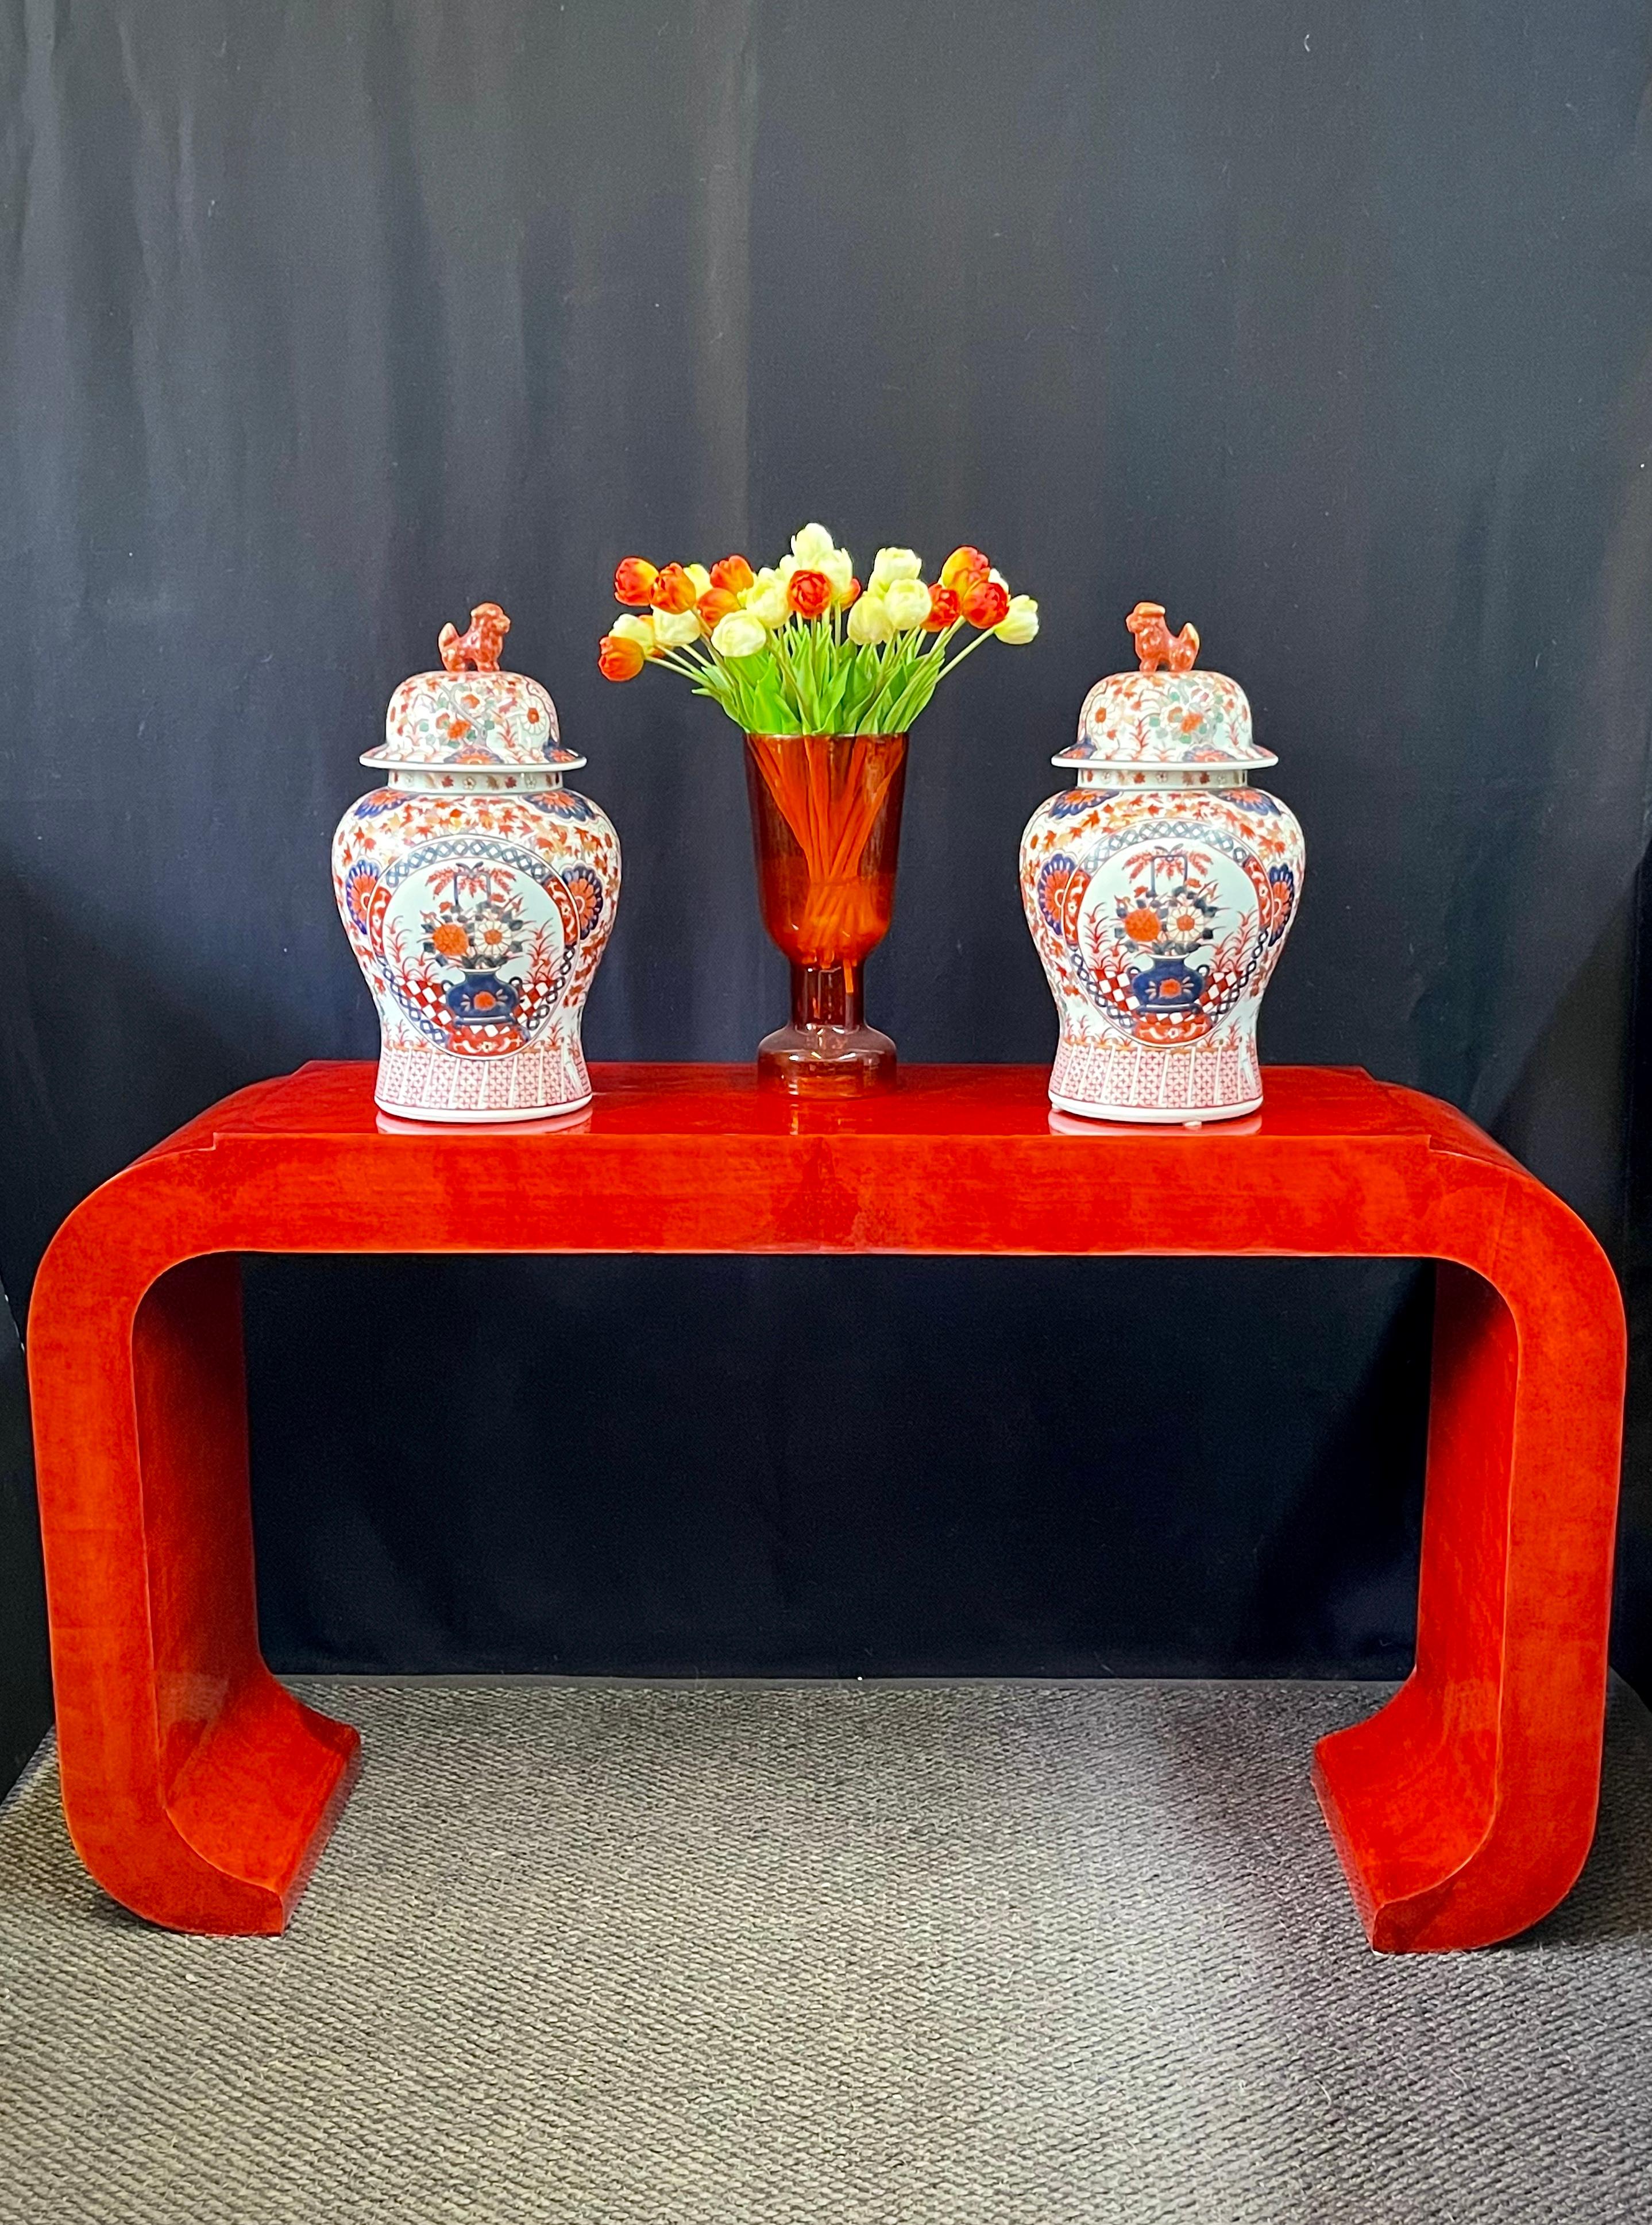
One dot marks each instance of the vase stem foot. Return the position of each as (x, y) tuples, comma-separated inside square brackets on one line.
[(828, 1050), (824, 1061)]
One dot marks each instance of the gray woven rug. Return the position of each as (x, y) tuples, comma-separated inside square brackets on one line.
[(770, 1954)]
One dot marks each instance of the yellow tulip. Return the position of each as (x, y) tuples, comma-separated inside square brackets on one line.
[(839, 567), (739, 634), (677, 629), (907, 602), (892, 564), (766, 598), (812, 546), (869, 620), (1021, 624)]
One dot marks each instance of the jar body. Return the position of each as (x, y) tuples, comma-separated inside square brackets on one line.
[(477, 905), (1159, 903)]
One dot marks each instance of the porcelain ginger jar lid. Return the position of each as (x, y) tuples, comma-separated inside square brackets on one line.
[(1164, 719), (470, 714)]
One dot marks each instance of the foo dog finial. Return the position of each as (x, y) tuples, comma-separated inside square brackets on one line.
[(479, 648), (1155, 644)]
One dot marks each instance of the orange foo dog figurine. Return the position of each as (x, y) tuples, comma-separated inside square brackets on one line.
[(479, 648), (1155, 644)]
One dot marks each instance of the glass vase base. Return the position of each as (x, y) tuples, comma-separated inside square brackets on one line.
[(825, 1061)]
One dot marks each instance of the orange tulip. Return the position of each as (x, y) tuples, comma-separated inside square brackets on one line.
[(984, 603), (674, 591), (963, 564), (854, 594), (633, 582), (618, 659), (715, 605), (944, 610), (732, 572), (809, 594)]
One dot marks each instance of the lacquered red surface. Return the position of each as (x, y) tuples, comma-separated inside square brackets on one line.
[(200, 1793)]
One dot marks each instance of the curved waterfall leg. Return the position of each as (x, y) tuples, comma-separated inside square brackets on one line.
[(197, 1790), (1464, 1811)]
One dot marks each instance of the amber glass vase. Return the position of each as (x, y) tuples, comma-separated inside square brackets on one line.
[(826, 827)]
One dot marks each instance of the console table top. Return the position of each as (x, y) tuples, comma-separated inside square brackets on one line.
[(334, 1099)]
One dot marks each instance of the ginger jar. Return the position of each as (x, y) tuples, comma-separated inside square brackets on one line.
[(477, 892), (1159, 888)]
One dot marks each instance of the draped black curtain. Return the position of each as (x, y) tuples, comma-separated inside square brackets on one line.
[(321, 322)]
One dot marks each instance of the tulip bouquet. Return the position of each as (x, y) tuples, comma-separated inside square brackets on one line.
[(801, 648), (825, 677)]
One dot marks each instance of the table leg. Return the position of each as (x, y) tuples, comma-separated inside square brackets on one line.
[(1464, 1810), (197, 1790)]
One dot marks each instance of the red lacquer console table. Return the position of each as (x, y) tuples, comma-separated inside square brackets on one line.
[(200, 1793)]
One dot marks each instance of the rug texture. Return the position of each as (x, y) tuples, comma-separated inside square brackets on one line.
[(624, 1953)]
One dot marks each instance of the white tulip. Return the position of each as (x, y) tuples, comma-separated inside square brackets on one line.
[(812, 546), (869, 620), (700, 576), (677, 629), (907, 602), (739, 634), (631, 627), (892, 564), (1020, 624)]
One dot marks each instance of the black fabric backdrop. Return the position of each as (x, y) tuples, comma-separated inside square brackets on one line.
[(1327, 327)]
